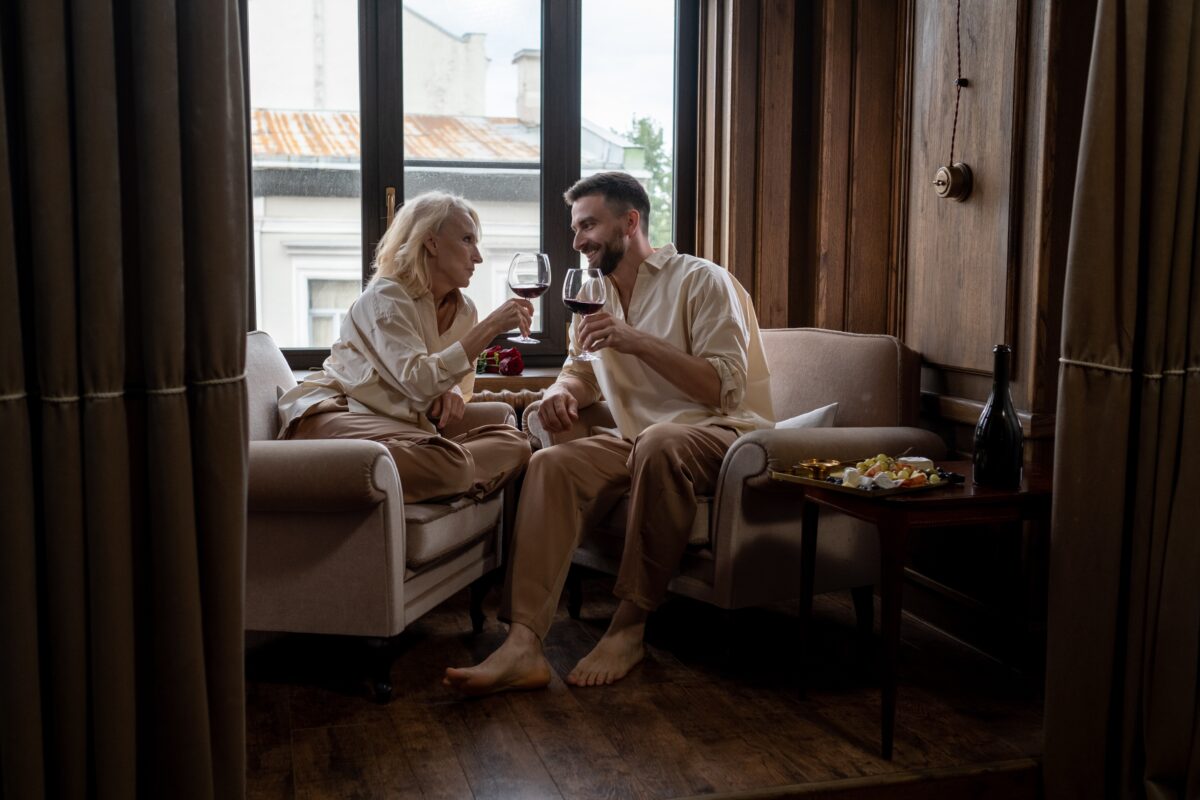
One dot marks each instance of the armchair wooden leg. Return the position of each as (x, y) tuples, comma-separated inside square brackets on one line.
[(864, 609), (479, 590), (379, 657), (574, 592)]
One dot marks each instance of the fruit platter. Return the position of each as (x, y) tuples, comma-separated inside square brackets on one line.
[(878, 475)]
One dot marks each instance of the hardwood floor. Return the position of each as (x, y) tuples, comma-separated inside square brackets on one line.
[(721, 705)]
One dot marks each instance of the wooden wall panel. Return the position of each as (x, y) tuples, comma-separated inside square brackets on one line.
[(960, 258), (740, 118), (870, 221), (775, 282), (749, 149), (837, 35), (856, 216)]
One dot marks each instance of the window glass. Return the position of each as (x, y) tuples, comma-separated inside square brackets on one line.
[(472, 123), (306, 150), (627, 103)]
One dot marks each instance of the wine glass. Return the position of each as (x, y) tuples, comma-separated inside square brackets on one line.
[(528, 277), (584, 293)]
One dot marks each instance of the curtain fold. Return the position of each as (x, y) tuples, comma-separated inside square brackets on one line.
[(1123, 651), (124, 248)]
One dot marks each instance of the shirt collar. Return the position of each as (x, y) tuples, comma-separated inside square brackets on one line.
[(659, 258)]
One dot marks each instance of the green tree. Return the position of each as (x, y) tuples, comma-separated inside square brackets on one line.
[(647, 134)]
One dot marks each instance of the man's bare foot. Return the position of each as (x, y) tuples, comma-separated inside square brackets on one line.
[(516, 664), (617, 652)]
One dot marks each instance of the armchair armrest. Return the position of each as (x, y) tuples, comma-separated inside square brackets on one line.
[(596, 415), (320, 475), (479, 414)]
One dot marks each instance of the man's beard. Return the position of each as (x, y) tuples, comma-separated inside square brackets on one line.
[(610, 256)]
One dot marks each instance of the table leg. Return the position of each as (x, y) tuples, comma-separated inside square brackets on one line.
[(893, 537), (808, 559)]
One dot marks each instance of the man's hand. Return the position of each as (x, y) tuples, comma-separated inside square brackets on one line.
[(447, 409), (558, 411), (604, 330)]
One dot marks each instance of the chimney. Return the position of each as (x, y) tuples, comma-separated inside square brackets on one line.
[(529, 87)]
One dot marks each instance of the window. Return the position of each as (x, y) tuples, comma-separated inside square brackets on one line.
[(506, 102), (628, 91)]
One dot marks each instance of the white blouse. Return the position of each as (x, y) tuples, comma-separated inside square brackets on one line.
[(389, 359)]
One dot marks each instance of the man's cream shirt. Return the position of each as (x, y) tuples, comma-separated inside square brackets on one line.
[(701, 309), (389, 358)]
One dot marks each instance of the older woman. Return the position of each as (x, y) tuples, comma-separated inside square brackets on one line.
[(404, 364)]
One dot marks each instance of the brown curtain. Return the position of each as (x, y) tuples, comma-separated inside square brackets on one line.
[(1124, 628), (123, 258)]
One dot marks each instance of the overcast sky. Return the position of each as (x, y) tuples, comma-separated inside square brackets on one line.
[(628, 53)]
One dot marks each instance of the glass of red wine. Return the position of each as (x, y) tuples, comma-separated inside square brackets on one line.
[(528, 277), (584, 293)]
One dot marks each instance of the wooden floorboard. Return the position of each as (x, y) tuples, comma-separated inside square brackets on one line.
[(722, 706)]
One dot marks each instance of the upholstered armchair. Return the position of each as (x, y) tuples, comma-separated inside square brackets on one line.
[(744, 547), (331, 547)]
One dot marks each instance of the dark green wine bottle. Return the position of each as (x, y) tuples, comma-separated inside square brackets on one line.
[(998, 438)]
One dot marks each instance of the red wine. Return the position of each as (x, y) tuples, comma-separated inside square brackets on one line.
[(583, 306), (998, 437), (530, 290)]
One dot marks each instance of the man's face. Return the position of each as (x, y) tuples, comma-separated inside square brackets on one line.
[(599, 233), (456, 249)]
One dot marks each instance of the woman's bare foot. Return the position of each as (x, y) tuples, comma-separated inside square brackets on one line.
[(617, 652), (517, 664)]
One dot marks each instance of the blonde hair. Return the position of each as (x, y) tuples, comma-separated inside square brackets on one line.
[(401, 254)]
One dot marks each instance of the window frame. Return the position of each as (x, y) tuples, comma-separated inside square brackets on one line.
[(381, 114)]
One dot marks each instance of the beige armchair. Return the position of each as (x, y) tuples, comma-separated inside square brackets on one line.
[(744, 548), (332, 548)]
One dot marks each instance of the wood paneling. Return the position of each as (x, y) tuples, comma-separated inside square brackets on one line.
[(870, 220), (775, 283), (837, 64), (859, 168), (960, 257), (750, 152)]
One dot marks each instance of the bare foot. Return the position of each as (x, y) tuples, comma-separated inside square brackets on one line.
[(516, 664), (617, 652)]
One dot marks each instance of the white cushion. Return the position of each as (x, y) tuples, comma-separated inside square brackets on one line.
[(817, 418), (432, 530)]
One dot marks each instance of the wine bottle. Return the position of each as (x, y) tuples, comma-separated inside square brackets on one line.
[(998, 438)]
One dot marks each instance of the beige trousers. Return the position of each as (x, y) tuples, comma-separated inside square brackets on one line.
[(431, 466), (570, 487)]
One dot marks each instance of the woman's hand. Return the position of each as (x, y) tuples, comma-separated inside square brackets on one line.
[(512, 313), (604, 330), (447, 409)]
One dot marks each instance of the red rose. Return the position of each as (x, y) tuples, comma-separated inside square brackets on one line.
[(513, 364)]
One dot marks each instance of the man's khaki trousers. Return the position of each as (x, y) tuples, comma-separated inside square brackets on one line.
[(570, 487), (431, 466)]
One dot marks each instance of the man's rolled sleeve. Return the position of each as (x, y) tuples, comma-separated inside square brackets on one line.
[(733, 381), (719, 335)]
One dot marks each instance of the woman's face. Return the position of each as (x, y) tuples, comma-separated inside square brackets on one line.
[(454, 251)]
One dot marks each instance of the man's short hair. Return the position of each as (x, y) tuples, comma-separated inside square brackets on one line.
[(620, 190)]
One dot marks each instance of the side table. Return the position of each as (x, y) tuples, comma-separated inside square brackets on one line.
[(894, 517)]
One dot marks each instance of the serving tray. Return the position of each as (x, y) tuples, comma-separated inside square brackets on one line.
[(787, 477)]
